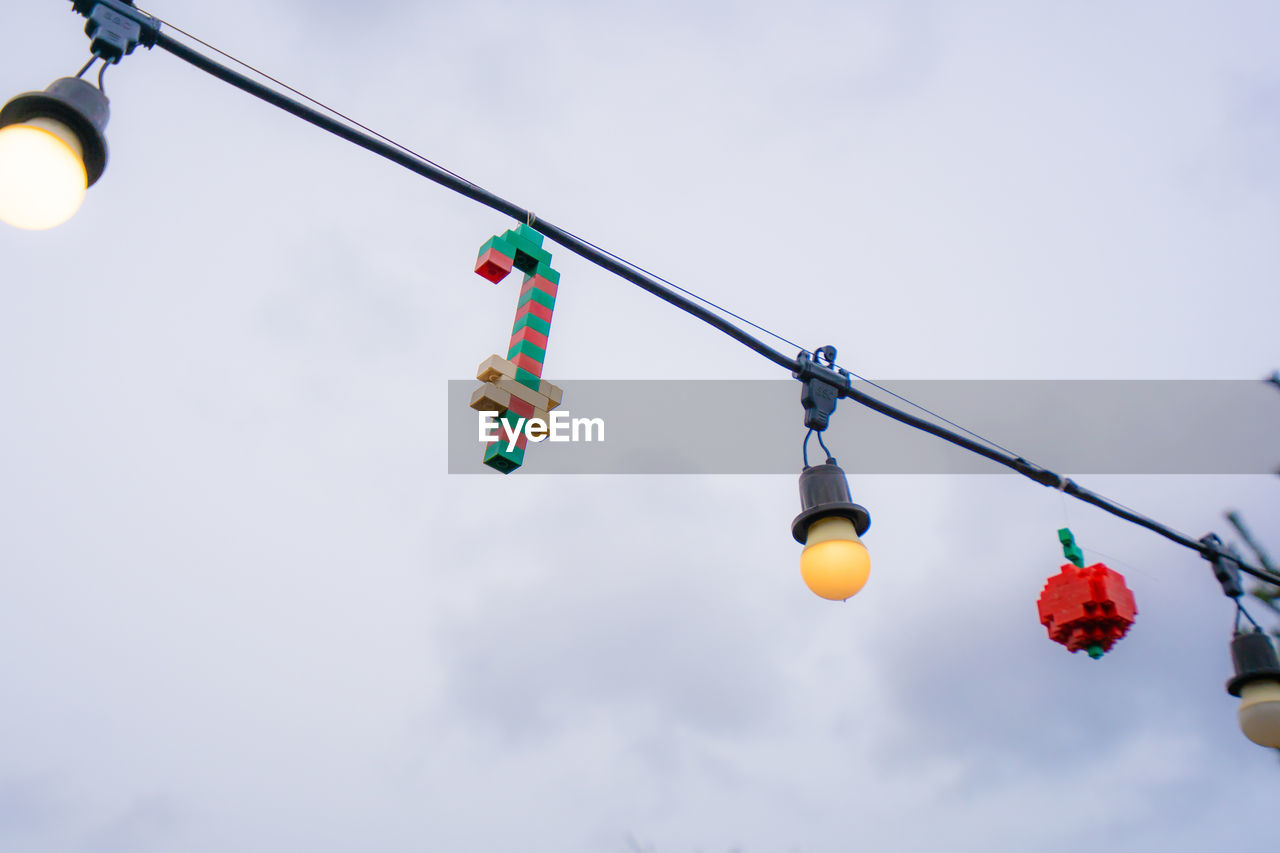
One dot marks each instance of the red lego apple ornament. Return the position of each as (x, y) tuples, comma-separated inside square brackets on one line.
[(1085, 608)]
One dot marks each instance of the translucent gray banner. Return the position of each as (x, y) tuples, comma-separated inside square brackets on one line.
[(756, 427)]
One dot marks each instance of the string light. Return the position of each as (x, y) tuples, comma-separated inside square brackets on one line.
[(67, 121)]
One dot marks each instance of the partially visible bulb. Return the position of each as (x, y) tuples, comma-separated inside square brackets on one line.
[(42, 174), (1260, 713), (52, 149), (1257, 683)]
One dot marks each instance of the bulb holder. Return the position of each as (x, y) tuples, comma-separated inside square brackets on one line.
[(79, 105), (824, 493), (1255, 660), (116, 27)]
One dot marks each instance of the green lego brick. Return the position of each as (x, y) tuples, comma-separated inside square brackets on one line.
[(530, 321), (524, 262), (525, 239), (528, 379), (1069, 548), (530, 349), (501, 245), (525, 234), (540, 296), (497, 456), (545, 270)]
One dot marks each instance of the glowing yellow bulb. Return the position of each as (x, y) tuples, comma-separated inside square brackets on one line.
[(42, 174), (1260, 712), (834, 563)]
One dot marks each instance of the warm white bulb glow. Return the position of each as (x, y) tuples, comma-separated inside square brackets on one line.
[(42, 176), (1260, 712), (834, 563)]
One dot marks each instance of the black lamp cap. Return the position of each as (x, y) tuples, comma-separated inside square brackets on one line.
[(824, 493), (1255, 660), (80, 106)]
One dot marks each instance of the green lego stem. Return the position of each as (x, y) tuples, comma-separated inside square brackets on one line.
[(1069, 548)]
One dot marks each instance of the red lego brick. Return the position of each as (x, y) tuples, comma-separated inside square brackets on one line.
[(546, 285), (526, 361), (533, 336), (531, 291), (523, 408), (493, 265), (542, 312)]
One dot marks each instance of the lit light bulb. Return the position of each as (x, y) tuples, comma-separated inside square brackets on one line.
[(834, 563), (42, 174), (52, 149)]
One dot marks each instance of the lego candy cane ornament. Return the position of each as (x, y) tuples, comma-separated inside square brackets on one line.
[(513, 386)]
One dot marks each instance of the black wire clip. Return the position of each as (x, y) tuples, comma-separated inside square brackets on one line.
[(822, 385), (1226, 564), (116, 27)]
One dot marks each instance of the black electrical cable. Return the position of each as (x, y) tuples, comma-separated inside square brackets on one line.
[(629, 272), (465, 188), (307, 97), (426, 159), (594, 246), (1045, 477), (701, 299), (932, 413)]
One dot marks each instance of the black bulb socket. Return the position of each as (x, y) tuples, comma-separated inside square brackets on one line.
[(1255, 660), (79, 105), (824, 493)]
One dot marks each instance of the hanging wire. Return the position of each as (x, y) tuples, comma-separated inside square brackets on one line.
[(690, 293), (102, 72), (804, 448), (933, 414), (531, 220), (312, 100), (80, 73), (1241, 611), (1127, 566), (664, 290)]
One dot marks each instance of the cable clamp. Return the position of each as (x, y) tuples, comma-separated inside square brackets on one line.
[(1225, 562), (1043, 476), (822, 385), (116, 27)]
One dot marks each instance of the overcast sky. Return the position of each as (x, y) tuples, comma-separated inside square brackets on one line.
[(244, 607)]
